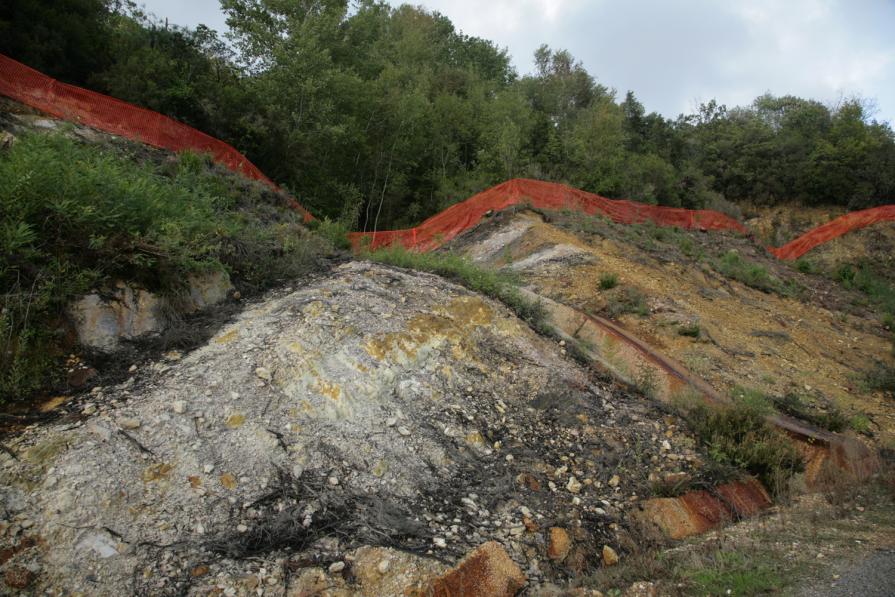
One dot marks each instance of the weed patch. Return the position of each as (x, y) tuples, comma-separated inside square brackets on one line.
[(881, 379), (864, 278), (733, 266), (691, 330), (733, 573), (830, 418), (627, 300), (738, 435), (77, 217)]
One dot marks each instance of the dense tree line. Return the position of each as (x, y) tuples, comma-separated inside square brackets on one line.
[(382, 116)]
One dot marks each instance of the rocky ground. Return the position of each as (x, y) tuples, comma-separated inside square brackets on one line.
[(809, 337), (361, 432)]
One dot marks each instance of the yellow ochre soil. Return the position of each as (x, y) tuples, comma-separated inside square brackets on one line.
[(815, 343)]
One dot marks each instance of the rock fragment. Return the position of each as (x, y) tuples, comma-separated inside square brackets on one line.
[(486, 572), (610, 557), (559, 544)]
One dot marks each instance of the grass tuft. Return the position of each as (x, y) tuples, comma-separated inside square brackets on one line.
[(608, 281), (735, 267)]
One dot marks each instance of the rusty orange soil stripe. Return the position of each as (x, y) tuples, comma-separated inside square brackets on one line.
[(662, 361)]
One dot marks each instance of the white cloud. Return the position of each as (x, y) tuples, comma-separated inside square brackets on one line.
[(672, 53)]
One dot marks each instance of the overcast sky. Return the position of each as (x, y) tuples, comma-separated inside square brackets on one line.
[(676, 53)]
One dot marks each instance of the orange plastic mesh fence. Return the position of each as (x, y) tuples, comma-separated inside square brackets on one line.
[(449, 223), (108, 114), (105, 113), (834, 229)]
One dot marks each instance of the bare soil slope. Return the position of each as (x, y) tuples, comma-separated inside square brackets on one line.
[(714, 301)]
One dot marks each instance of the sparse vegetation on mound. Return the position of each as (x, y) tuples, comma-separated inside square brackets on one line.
[(735, 267), (496, 284), (79, 216)]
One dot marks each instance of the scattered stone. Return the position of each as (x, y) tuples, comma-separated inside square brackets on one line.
[(333, 481), (391, 421), (263, 373), (383, 566), (610, 557), (178, 406), (439, 542), (129, 423), (89, 409), (559, 544), (574, 486), (404, 431), (614, 481), (336, 567)]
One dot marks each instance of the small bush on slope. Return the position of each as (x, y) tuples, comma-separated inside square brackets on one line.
[(733, 266), (738, 435), (74, 217)]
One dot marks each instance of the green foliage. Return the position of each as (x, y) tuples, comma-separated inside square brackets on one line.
[(393, 113), (739, 436), (732, 573), (830, 418), (864, 278), (608, 280), (860, 424), (735, 267), (76, 217), (334, 231), (495, 284), (881, 379), (627, 300), (692, 330), (806, 266)]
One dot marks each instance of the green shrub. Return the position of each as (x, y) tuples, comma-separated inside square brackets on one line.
[(831, 418), (888, 321), (496, 284), (691, 330), (733, 573), (77, 217), (806, 266), (860, 424), (608, 281), (881, 379), (864, 278), (629, 300), (733, 266), (332, 230), (739, 435)]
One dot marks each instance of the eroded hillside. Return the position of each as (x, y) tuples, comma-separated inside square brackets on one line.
[(716, 302), (369, 408)]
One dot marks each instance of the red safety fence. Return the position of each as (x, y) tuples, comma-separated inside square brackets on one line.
[(834, 229), (444, 226), (35, 89), (111, 115)]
